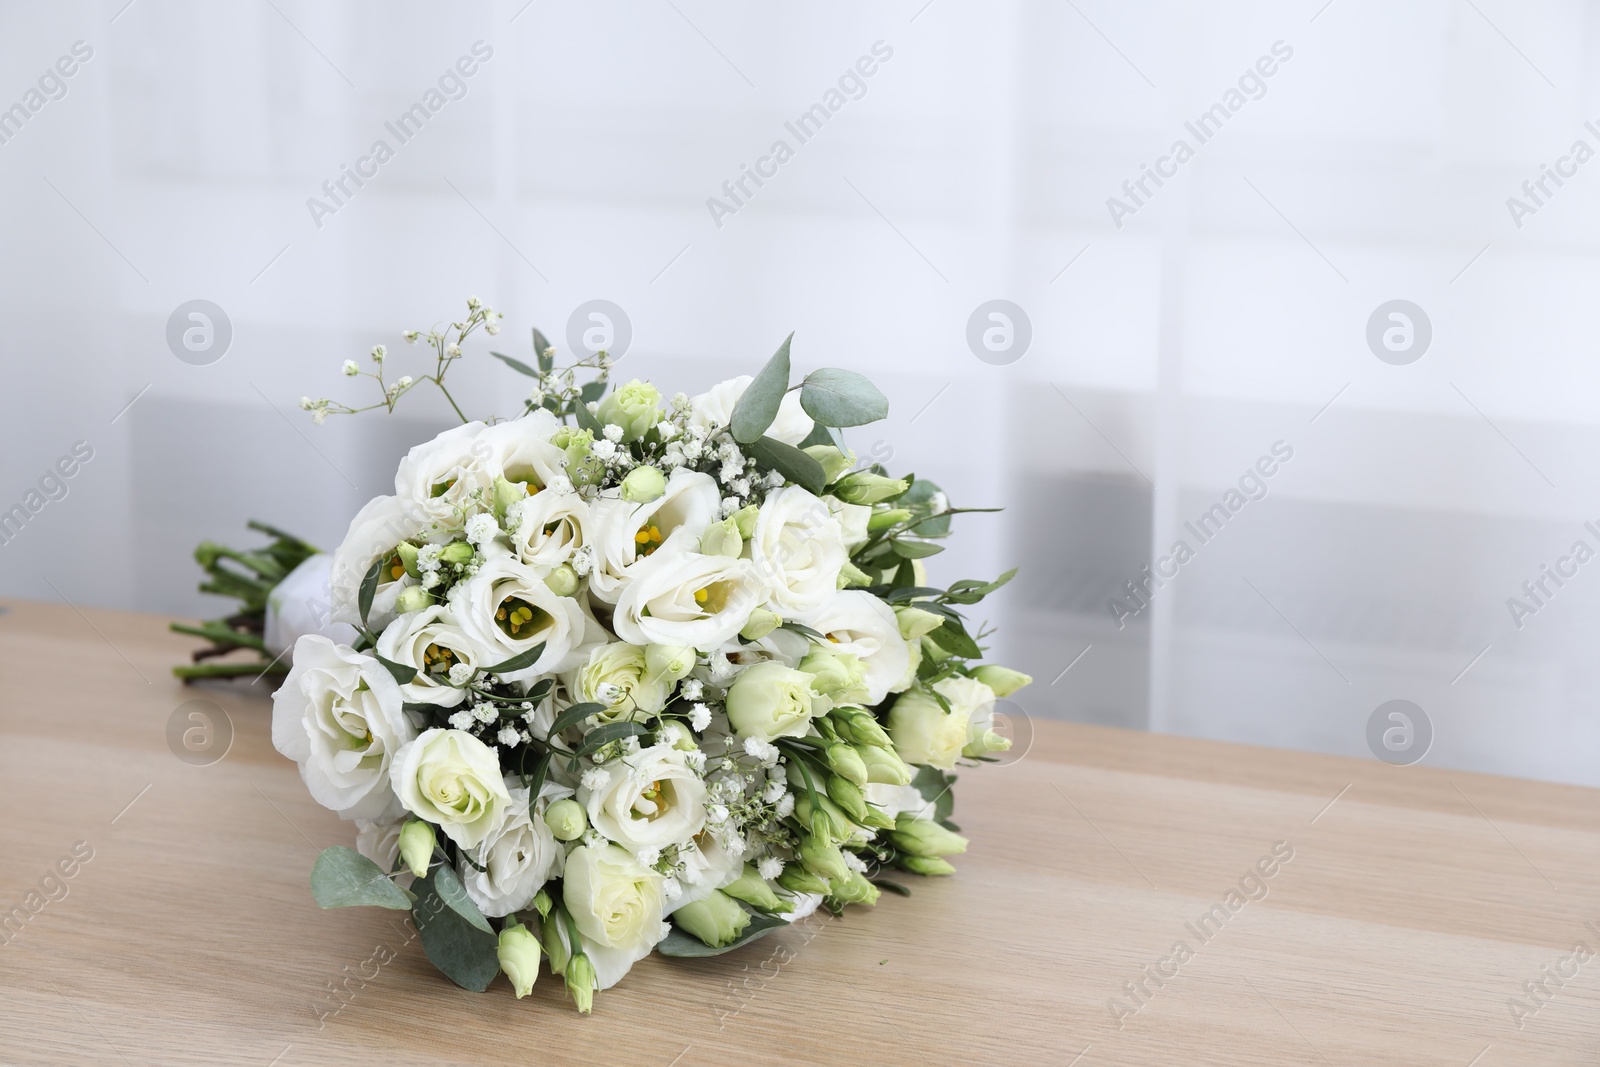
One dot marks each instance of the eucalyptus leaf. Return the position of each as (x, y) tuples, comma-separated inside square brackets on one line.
[(758, 405), (519, 661), (935, 786), (836, 397), (790, 462), (447, 883), (344, 878), (604, 735), (515, 364), (462, 952), (686, 946), (369, 587)]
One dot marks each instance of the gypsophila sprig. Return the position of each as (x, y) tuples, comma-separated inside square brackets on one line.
[(635, 670)]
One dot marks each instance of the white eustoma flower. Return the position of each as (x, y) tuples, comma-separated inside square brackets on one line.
[(303, 604), (852, 521), (860, 624), (339, 716), (617, 906), (547, 528), (433, 643), (707, 867), (714, 408), (897, 799), (448, 477), (381, 524), (453, 780), (518, 857), (798, 549), (649, 799), (506, 608), (379, 841), (686, 598), (624, 534), (520, 450)]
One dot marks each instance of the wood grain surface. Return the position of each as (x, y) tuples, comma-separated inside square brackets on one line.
[(1415, 906)]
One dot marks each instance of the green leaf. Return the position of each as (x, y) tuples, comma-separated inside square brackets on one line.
[(344, 878), (540, 343), (790, 462), (604, 735), (954, 639), (515, 364), (535, 780), (911, 592), (837, 397), (819, 435), (687, 946), (937, 788), (447, 883), (519, 661), (369, 586), (804, 631), (893, 887), (758, 405), (462, 952), (575, 715), (587, 420), (591, 391), (402, 674), (915, 549)]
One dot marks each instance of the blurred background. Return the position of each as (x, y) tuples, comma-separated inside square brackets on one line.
[(1364, 271)]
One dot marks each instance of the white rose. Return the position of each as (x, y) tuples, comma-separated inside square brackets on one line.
[(649, 799), (714, 408), (686, 598), (303, 604), (382, 523), (625, 534), (862, 625), (449, 477), (507, 609), (451, 779), (971, 700), (770, 700), (547, 528), (520, 450), (338, 715), (624, 669), (798, 549), (617, 907), (923, 732), (517, 859), (852, 521), (431, 641)]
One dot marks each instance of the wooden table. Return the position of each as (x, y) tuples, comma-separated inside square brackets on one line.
[(1415, 906)]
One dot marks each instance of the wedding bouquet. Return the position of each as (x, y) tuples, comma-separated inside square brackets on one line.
[(627, 673)]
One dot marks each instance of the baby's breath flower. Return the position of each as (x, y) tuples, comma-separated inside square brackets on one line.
[(351, 368), (379, 351), (769, 867)]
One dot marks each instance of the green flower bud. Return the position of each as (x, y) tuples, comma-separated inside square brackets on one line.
[(884, 766), (519, 958), (985, 743), (926, 865), (678, 736), (636, 407), (762, 622), (745, 519), (412, 598), (822, 858), (839, 824), (542, 903), (915, 622), (717, 920), (563, 581), (456, 552), (846, 762), (643, 484), (753, 889), (796, 879), (668, 663), (583, 468), (864, 487), (876, 819), (416, 846), (853, 577), (408, 557), (566, 819), (580, 982), (507, 493), (924, 837), (555, 949), (836, 674), (859, 725), (845, 793), (722, 539), (834, 463), (856, 890), (1003, 680), (882, 520)]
